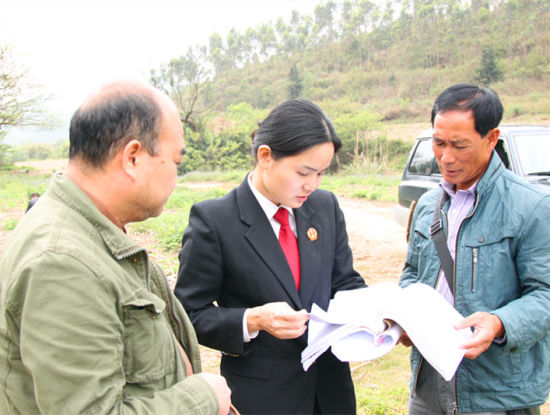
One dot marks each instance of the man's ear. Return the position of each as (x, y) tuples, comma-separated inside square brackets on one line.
[(264, 155), (131, 155), (492, 137)]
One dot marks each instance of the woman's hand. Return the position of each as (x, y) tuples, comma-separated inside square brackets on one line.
[(278, 319)]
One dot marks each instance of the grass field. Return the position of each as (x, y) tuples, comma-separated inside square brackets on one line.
[(381, 385)]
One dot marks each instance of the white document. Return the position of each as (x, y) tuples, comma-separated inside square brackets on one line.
[(358, 325)]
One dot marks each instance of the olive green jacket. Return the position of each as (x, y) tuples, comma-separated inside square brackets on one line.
[(88, 324)]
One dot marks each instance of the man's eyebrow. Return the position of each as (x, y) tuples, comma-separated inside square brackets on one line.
[(183, 151), (452, 141)]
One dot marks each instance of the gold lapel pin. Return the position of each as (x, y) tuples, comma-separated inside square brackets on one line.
[(312, 234)]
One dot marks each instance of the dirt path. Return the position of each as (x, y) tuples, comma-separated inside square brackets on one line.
[(377, 241)]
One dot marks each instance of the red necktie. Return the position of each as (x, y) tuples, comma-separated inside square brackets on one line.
[(289, 244)]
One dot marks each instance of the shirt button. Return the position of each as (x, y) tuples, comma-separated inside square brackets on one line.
[(134, 260), (153, 317), (481, 239)]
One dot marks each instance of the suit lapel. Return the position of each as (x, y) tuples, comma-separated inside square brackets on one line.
[(310, 251), (260, 235)]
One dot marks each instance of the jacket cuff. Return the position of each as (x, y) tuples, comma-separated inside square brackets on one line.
[(200, 395)]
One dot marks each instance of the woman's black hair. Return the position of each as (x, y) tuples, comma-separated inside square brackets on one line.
[(293, 127)]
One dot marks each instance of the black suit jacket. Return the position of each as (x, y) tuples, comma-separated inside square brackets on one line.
[(231, 260)]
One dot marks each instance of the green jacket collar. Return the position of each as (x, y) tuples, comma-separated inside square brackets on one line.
[(118, 242), (494, 170)]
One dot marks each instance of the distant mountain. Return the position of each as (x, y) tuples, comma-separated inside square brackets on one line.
[(17, 136)]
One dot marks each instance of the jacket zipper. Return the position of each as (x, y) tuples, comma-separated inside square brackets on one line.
[(455, 403), (176, 324), (457, 234), (474, 263), (171, 313), (416, 374)]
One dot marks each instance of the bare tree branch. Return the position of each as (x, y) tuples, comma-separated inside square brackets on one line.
[(20, 99)]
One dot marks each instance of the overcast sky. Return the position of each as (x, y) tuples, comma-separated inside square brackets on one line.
[(72, 47)]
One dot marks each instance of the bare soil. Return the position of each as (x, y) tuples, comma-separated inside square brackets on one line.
[(44, 166), (378, 243)]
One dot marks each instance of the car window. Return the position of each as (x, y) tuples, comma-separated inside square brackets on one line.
[(533, 151), (502, 150), (422, 159)]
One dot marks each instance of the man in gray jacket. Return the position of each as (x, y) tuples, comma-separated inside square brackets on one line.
[(88, 324), (496, 229)]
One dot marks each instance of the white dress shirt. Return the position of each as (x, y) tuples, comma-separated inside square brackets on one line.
[(270, 209)]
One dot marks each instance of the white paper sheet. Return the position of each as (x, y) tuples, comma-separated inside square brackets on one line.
[(354, 326)]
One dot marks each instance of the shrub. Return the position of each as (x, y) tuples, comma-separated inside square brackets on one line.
[(10, 224)]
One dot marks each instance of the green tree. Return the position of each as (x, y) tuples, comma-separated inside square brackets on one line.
[(488, 71), (324, 20), (226, 143), (267, 39), (216, 53), (295, 83), (21, 102), (183, 79), (234, 49)]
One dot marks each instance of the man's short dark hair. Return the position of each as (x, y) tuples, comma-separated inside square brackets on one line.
[(101, 128), (484, 102)]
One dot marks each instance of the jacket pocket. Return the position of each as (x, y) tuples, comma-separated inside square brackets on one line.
[(149, 348), (494, 371), (493, 272), (252, 367)]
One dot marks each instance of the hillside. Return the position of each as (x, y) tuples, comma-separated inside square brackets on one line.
[(391, 59), (370, 66), (374, 67)]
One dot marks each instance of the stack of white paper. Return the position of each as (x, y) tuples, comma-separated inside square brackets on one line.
[(358, 326)]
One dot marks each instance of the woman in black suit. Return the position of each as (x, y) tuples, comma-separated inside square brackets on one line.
[(248, 278)]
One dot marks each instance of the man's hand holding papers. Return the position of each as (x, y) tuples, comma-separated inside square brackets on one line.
[(357, 325)]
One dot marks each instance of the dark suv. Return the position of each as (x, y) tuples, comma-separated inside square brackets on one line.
[(524, 149)]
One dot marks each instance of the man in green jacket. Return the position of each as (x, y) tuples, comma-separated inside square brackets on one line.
[(88, 324)]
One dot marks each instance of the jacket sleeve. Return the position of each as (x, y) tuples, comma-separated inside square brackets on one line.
[(421, 245), (199, 286), (74, 345), (410, 270), (527, 319), (344, 276)]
